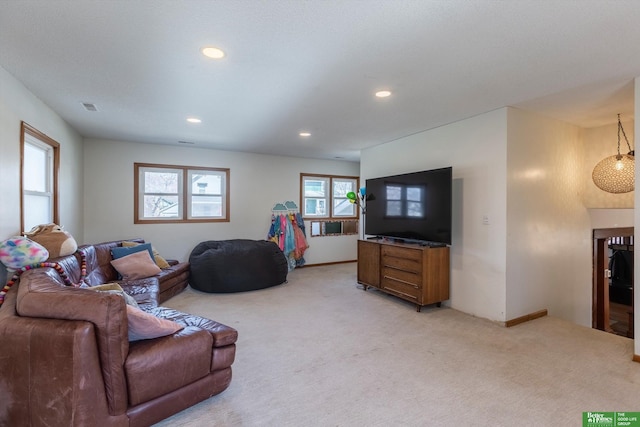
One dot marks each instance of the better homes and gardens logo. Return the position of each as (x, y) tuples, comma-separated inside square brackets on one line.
[(610, 419)]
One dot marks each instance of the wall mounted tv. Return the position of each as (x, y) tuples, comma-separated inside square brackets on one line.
[(412, 207)]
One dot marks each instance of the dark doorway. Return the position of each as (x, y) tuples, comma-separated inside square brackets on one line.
[(613, 280)]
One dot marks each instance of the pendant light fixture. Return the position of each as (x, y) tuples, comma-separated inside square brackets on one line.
[(616, 174)]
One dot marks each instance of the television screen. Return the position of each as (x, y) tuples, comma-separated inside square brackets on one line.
[(413, 206)]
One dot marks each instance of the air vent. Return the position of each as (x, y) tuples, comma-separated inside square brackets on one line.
[(89, 106), (186, 142)]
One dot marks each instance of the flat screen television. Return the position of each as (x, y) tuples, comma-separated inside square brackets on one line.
[(411, 207)]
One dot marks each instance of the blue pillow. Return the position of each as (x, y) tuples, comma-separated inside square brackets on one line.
[(120, 252)]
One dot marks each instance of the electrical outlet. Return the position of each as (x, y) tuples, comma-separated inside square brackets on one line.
[(485, 219)]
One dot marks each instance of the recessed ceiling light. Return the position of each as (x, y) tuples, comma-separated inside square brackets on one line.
[(212, 52), (383, 93), (305, 134), (194, 120)]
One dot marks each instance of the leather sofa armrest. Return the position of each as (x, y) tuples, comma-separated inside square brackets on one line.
[(145, 291), (42, 294), (50, 370)]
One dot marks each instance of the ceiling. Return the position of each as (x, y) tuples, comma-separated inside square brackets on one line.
[(295, 65)]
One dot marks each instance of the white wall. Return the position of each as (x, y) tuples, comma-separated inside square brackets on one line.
[(611, 218), (476, 149), (18, 104), (257, 183), (548, 227)]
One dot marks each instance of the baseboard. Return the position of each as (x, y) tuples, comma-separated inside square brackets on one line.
[(328, 263), (636, 358), (525, 318)]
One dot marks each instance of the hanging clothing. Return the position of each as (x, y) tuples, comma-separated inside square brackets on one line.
[(287, 230)]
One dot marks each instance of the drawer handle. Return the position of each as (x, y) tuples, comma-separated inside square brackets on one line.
[(416, 271), (402, 281), (413, 297)]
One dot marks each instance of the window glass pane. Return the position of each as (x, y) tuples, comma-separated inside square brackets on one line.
[(394, 208), (415, 204), (315, 187), (37, 210), (414, 209), (161, 207), (206, 206), (343, 207), (205, 183), (35, 169), (414, 193), (341, 187), (394, 192), (315, 207), (160, 182)]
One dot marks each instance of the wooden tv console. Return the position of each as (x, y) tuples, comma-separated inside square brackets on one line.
[(416, 273)]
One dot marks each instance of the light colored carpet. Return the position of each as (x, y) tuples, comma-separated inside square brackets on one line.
[(319, 351)]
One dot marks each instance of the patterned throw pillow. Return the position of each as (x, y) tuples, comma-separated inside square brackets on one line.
[(17, 252)]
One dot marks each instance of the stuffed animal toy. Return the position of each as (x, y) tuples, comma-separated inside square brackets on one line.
[(57, 241)]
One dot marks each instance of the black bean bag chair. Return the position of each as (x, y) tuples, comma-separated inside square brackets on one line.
[(237, 265)]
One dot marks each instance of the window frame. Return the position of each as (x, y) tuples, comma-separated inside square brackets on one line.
[(329, 197), (184, 194), (53, 162)]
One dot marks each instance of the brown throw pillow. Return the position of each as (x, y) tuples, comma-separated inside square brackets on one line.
[(138, 265)]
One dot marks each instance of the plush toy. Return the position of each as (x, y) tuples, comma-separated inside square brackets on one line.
[(57, 241)]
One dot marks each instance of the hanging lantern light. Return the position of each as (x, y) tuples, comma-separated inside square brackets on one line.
[(616, 174)]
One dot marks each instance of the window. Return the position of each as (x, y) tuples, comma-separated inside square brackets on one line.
[(325, 196), (39, 166), (166, 193), (405, 201)]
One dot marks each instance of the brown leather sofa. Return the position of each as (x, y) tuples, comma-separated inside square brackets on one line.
[(66, 360), (171, 281)]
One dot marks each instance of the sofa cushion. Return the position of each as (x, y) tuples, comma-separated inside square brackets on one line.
[(138, 265), (222, 334), (98, 258), (151, 364), (114, 288), (143, 325)]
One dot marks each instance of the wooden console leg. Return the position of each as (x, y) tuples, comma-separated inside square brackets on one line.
[(438, 304), (418, 307)]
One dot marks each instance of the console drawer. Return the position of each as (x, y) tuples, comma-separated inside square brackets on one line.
[(404, 253), (400, 259), (403, 276), (403, 289)]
